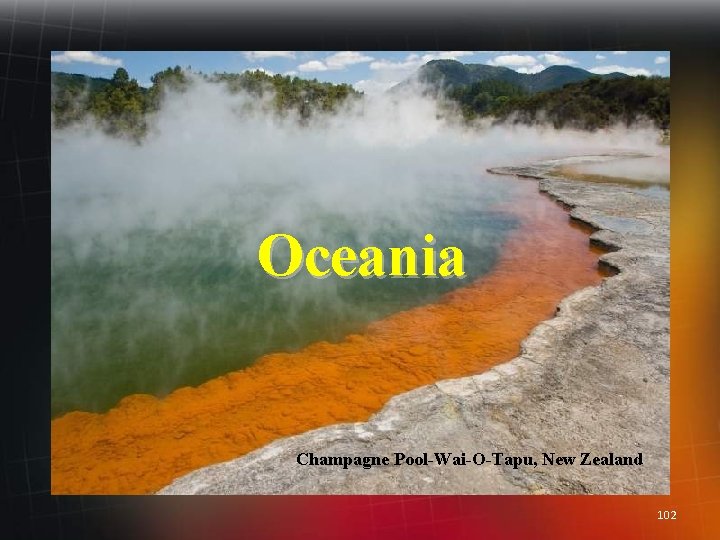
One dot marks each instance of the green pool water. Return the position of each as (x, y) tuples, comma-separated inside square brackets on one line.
[(147, 305), (156, 282)]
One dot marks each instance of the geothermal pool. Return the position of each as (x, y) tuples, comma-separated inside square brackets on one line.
[(156, 307), (533, 257), (172, 349), (651, 168), (650, 171)]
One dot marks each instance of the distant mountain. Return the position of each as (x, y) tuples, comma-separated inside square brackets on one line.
[(448, 74), (76, 82), (558, 76)]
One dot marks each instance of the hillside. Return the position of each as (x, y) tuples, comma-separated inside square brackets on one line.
[(592, 104), (75, 82), (448, 74), (72, 94)]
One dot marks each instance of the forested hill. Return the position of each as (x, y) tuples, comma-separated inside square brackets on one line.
[(445, 75), (591, 104), (77, 82), (122, 106)]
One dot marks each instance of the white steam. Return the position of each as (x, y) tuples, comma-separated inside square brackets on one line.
[(376, 160)]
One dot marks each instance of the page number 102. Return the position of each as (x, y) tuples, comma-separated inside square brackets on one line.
[(667, 514)]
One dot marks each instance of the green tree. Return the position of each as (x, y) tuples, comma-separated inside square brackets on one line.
[(120, 77), (120, 107)]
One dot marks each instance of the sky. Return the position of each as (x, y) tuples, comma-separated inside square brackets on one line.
[(369, 71)]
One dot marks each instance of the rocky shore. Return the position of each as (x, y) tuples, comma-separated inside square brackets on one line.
[(594, 379)]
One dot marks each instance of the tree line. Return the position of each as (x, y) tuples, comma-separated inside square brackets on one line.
[(122, 107)]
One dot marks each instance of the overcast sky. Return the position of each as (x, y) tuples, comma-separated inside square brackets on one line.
[(370, 71)]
